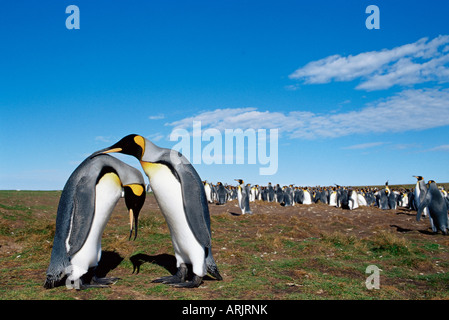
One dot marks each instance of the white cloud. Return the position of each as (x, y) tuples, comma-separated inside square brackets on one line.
[(364, 146), (156, 117), (444, 147), (103, 139), (155, 136), (408, 110), (409, 64)]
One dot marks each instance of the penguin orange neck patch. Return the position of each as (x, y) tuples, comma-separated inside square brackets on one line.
[(136, 188), (140, 141)]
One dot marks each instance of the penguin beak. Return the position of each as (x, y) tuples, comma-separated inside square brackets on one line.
[(106, 150), (133, 218)]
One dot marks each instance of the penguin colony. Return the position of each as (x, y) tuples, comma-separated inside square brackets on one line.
[(428, 200), (94, 188)]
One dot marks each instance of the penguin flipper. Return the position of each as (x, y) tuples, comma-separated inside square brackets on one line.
[(421, 208), (82, 213), (195, 204)]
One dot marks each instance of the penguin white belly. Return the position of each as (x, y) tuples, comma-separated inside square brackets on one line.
[(168, 193), (307, 198), (355, 201), (208, 193), (333, 199), (361, 199), (239, 199), (107, 193), (405, 200)]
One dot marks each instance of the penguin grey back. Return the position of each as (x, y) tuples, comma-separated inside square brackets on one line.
[(193, 194), (438, 208), (76, 209)]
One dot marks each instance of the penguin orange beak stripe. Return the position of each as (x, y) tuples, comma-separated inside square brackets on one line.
[(131, 222), (113, 150)]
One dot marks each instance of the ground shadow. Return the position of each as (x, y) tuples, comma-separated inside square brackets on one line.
[(167, 261), (400, 229), (407, 212), (164, 260), (109, 261)]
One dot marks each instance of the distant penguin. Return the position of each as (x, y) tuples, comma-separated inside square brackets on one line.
[(298, 196), (343, 198), (85, 206), (403, 200), (288, 196), (279, 194), (361, 199), (320, 196), (419, 194), (353, 199), (270, 192), (181, 197), (369, 196), (252, 194), (382, 199), (437, 206), (208, 191), (307, 197), (243, 197), (333, 197), (221, 193)]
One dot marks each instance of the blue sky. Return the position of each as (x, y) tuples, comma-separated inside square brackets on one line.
[(353, 106)]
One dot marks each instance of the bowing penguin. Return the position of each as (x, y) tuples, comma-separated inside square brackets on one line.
[(87, 201)]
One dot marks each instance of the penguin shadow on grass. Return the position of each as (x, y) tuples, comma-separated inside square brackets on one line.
[(164, 260), (109, 261), (405, 211)]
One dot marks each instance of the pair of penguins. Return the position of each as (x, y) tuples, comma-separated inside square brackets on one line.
[(93, 190)]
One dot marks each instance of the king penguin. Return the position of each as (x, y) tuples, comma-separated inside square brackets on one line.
[(243, 197), (222, 193), (208, 191), (87, 201), (435, 202), (419, 193), (180, 195)]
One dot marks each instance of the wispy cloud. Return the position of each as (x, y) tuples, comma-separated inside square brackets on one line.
[(444, 147), (408, 110), (156, 136), (104, 139), (409, 64), (364, 146), (156, 117)]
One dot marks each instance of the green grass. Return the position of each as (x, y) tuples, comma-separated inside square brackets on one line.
[(259, 256)]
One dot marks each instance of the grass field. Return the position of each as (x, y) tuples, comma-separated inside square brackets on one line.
[(291, 253)]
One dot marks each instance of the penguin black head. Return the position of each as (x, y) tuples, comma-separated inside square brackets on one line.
[(419, 178), (240, 181), (133, 145), (134, 199)]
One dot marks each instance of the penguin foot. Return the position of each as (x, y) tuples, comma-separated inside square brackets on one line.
[(179, 277), (104, 281), (96, 282), (195, 283), (168, 280)]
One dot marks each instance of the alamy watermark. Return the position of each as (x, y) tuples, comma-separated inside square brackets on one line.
[(373, 281), (257, 143)]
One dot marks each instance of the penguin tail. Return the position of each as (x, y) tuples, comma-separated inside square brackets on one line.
[(211, 266)]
